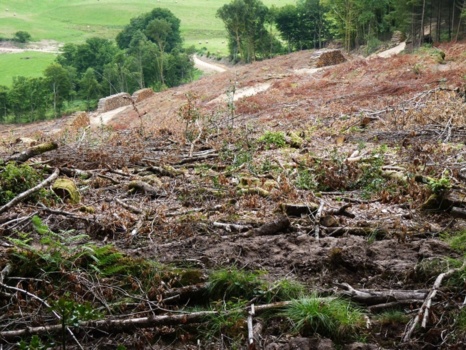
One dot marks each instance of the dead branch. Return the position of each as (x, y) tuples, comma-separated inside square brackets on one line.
[(128, 207), (393, 305), (5, 272), (191, 148), (317, 220), (47, 305), (374, 297), (128, 324), (187, 292), (76, 173), (425, 308), (343, 211), (145, 188), (232, 227), (251, 339), (32, 152), (29, 192)]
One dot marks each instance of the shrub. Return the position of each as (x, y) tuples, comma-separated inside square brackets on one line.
[(15, 179), (22, 37), (276, 139)]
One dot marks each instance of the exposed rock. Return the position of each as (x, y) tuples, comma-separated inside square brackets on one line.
[(324, 58), (142, 94), (113, 102)]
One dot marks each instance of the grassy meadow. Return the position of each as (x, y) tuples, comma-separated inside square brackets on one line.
[(29, 64), (73, 21)]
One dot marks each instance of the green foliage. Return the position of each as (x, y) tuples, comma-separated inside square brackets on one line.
[(456, 240), (28, 99), (461, 321), (306, 180), (143, 22), (330, 317), (234, 283), (273, 138), (34, 344), (15, 179), (72, 312), (245, 23), (392, 317), (59, 82), (303, 25), (22, 36), (439, 186), (230, 321), (63, 251), (283, 290)]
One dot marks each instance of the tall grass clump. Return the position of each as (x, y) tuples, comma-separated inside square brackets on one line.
[(234, 283), (330, 317)]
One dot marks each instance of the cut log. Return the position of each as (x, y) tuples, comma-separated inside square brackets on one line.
[(32, 152), (291, 209)]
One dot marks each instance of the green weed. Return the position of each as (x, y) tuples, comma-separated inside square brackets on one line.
[(273, 139), (306, 180)]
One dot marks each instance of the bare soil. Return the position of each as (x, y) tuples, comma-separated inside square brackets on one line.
[(406, 109)]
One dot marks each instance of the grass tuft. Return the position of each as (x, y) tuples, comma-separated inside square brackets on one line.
[(330, 317)]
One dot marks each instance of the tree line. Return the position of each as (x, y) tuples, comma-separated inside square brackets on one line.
[(146, 53), (313, 23)]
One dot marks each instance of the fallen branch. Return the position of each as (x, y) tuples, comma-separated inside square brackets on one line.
[(43, 302), (32, 152), (122, 325), (145, 188), (128, 207), (425, 308), (29, 192), (317, 220), (374, 297), (343, 211), (232, 227)]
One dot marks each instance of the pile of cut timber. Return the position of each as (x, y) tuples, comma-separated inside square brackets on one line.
[(324, 58), (113, 102), (142, 94)]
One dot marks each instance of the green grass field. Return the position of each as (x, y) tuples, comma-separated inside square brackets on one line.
[(29, 64), (73, 21)]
